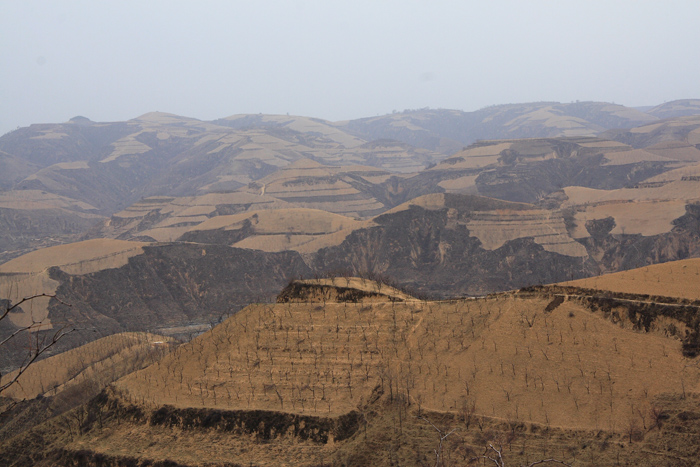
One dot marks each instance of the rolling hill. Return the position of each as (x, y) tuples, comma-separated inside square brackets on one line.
[(684, 129), (531, 169), (442, 245), (88, 171), (678, 108), (448, 130)]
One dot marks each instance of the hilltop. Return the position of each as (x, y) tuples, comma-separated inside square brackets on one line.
[(448, 130)]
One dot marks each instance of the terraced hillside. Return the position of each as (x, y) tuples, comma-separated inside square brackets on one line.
[(59, 179), (31, 219), (530, 170), (167, 218), (440, 245), (309, 364), (378, 378), (678, 279), (595, 206), (684, 129), (343, 190), (678, 108), (85, 171), (302, 230)]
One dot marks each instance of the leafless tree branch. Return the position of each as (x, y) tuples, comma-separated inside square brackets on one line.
[(443, 436), (496, 456), (549, 460), (39, 345)]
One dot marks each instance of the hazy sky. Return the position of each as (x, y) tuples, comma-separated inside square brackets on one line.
[(115, 60)]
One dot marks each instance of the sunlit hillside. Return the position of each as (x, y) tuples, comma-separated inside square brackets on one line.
[(679, 279), (530, 358)]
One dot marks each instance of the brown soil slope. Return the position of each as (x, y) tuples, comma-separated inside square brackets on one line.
[(529, 358), (60, 383), (679, 279)]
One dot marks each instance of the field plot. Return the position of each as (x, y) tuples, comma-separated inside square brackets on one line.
[(679, 279)]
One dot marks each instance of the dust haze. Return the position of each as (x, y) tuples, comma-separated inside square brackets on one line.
[(113, 61)]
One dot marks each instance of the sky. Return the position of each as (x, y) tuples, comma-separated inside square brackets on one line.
[(337, 60)]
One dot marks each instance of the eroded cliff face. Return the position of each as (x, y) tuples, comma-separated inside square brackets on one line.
[(170, 288), (434, 252), (428, 252), (620, 252)]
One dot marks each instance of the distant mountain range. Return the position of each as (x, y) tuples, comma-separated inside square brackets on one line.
[(57, 179)]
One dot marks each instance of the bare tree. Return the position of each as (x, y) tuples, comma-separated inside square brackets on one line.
[(38, 342), (658, 415), (442, 437)]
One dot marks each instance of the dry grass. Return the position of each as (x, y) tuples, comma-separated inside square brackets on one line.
[(676, 150), (692, 170), (684, 190), (306, 124), (431, 201), (158, 443), (184, 214), (496, 227), (35, 199), (309, 184), (466, 185), (127, 145), (694, 137), (674, 279), (295, 220), (540, 376), (549, 117), (298, 229), (303, 243)]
